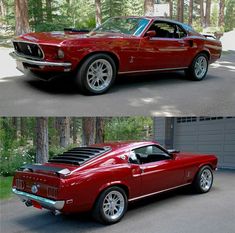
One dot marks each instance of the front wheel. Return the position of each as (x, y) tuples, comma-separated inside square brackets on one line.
[(110, 206), (96, 74), (204, 180), (199, 68)]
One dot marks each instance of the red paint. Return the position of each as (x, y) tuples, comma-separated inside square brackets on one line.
[(80, 189), (132, 53)]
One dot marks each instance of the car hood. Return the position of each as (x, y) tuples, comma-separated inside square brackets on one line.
[(188, 155), (60, 38)]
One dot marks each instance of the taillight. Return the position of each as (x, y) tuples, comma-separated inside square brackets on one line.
[(20, 184), (52, 192)]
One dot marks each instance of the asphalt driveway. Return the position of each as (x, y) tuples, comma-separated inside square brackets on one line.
[(159, 94), (175, 212)]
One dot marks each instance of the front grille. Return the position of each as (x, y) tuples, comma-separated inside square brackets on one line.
[(28, 50), (20, 184), (52, 192)]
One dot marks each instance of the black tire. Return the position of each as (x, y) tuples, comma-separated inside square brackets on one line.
[(81, 78), (198, 183), (191, 71), (98, 211)]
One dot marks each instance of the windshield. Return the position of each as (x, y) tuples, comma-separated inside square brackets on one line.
[(129, 26)]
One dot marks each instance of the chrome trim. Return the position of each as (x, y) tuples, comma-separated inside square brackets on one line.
[(45, 202), (29, 42), (146, 71), (40, 63), (150, 194)]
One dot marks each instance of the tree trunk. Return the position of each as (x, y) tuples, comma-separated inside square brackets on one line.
[(208, 13), (16, 127), (221, 13), (21, 17), (49, 10), (149, 7), (180, 11), (190, 17), (171, 9), (98, 13), (2, 9), (100, 124), (202, 13), (75, 130), (41, 139), (64, 123), (23, 127), (88, 130)]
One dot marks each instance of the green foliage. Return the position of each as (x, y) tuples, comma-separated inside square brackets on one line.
[(128, 128), (5, 187), (230, 15)]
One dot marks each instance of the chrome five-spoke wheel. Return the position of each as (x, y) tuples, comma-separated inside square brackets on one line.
[(201, 66), (99, 75), (206, 180), (111, 205), (96, 74)]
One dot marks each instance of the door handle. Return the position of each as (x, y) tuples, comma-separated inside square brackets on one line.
[(181, 42)]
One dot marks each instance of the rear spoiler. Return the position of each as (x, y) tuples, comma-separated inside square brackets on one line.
[(33, 167), (210, 36)]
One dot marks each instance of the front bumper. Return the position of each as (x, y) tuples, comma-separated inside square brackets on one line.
[(41, 64), (44, 202)]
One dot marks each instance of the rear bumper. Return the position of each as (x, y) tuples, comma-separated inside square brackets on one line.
[(44, 202), (42, 64)]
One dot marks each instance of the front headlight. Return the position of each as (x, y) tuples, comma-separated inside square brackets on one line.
[(60, 54)]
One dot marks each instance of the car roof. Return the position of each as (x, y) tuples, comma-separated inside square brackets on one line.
[(157, 18), (124, 145)]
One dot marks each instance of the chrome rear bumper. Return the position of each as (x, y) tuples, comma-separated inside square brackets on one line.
[(44, 202), (65, 65)]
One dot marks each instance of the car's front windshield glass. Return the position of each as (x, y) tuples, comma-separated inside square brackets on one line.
[(130, 26)]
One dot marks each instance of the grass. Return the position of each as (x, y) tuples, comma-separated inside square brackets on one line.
[(5, 187)]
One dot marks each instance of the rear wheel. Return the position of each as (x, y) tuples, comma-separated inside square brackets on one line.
[(110, 206), (199, 68), (204, 180), (96, 74)]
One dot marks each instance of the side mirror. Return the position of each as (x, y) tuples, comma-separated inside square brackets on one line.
[(172, 151), (150, 34)]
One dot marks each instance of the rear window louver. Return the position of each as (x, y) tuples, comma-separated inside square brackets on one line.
[(79, 155)]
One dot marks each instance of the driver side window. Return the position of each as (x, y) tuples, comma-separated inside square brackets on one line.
[(147, 154)]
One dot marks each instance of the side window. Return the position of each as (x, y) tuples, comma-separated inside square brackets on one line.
[(167, 30), (180, 33), (150, 154)]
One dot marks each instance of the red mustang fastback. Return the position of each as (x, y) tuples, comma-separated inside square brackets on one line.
[(122, 45), (104, 178)]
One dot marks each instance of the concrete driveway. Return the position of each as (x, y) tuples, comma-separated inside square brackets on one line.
[(159, 94), (175, 212)]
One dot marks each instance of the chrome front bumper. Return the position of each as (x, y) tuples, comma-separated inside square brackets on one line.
[(65, 65), (44, 202)]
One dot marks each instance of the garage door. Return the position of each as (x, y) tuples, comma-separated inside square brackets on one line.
[(207, 135)]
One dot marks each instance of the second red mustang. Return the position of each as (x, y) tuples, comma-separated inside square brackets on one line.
[(122, 45), (104, 178)]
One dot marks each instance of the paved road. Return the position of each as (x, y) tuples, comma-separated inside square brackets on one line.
[(176, 212), (165, 94)]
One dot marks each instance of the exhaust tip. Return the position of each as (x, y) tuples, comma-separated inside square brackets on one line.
[(56, 212)]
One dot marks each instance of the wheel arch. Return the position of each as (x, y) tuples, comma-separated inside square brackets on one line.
[(109, 185), (111, 54)]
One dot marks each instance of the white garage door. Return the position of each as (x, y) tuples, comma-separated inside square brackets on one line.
[(207, 135)]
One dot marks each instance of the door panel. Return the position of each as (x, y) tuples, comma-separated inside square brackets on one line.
[(163, 53), (161, 175)]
